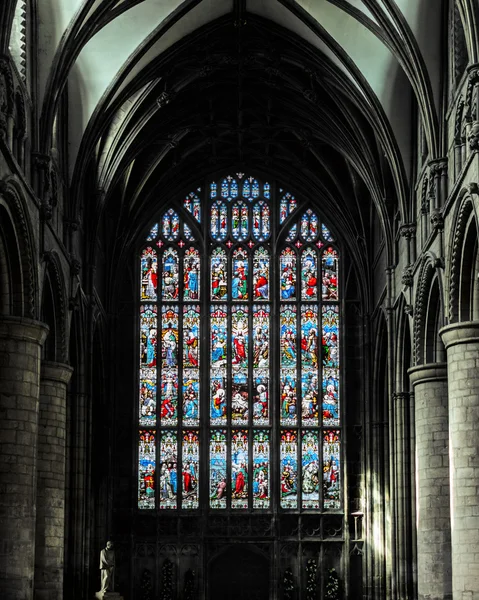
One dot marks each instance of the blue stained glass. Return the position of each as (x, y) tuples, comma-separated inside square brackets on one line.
[(240, 397), (191, 397), (240, 335), (170, 275), (219, 278), (219, 221), (309, 274), (218, 468), (309, 336), (239, 281), (261, 469), (149, 274), (234, 189), (331, 470), (267, 190), (261, 325), (191, 467), (287, 265), (239, 469), (153, 233), (191, 274), (239, 221), (310, 397), (213, 190), (329, 287), (289, 469), (288, 336), (218, 401), (191, 336), (171, 225), (255, 189), (287, 206), (168, 478), (247, 188), (261, 397), (147, 397), (188, 235), (261, 274), (169, 335), (193, 205), (310, 475), (148, 335), (146, 469), (288, 397), (330, 397), (225, 188), (326, 234), (292, 233), (330, 341)]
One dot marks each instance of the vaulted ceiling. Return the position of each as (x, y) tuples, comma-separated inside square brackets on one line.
[(321, 93)]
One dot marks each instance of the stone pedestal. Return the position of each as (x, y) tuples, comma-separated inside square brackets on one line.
[(432, 481), (50, 526), (20, 345), (462, 345)]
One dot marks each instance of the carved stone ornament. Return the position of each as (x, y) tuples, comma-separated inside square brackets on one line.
[(164, 98), (7, 91), (46, 211), (409, 309), (407, 278), (408, 230), (75, 266), (437, 221), (473, 137)]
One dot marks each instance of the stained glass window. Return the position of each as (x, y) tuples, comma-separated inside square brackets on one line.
[(235, 287)]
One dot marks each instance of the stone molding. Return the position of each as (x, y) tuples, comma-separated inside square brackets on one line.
[(23, 329), (428, 372), (460, 333), (55, 371)]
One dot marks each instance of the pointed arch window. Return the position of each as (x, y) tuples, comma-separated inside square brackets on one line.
[(239, 381)]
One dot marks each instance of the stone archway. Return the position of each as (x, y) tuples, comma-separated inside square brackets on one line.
[(237, 573)]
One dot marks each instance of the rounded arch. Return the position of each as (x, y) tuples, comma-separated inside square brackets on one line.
[(53, 309), (24, 302), (463, 287), (428, 314)]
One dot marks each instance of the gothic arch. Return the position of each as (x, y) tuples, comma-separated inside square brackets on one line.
[(17, 230), (404, 350), (463, 293), (54, 309), (428, 314), (11, 301)]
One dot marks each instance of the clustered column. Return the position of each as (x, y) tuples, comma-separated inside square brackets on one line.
[(462, 344), (20, 347), (432, 481), (50, 527)]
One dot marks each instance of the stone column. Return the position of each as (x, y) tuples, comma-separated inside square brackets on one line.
[(432, 477), (50, 529), (462, 344), (20, 345)]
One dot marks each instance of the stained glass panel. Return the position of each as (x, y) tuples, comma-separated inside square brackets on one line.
[(266, 190), (331, 470), (153, 233), (330, 341), (191, 333), (239, 282), (188, 235), (193, 205), (287, 205), (309, 226), (292, 233), (168, 479), (219, 221), (326, 233), (170, 275), (239, 221), (146, 469), (218, 468), (147, 397), (218, 353), (330, 274), (310, 474), (239, 468), (169, 397), (148, 335), (289, 469), (288, 335), (191, 274), (287, 266), (149, 274), (261, 469), (261, 274), (171, 225), (309, 274), (288, 397), (219, 278), (191, 469), (330, 397), (169, 335)]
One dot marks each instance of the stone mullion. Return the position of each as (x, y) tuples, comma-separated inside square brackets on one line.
[(50, 525), (462, 345), (20, 348), (432, 476)]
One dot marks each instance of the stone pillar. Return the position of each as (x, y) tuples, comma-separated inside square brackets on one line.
[(50, 529), (432, 482), (462, 344), (20, 345)]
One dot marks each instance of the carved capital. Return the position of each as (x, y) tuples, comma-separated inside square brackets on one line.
[(473, 188), (407, 278), (164, 98), (438, 167), (46, 211), (409, 309), (42, 161)]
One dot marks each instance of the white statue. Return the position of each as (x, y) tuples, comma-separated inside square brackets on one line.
[(107, 567)]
